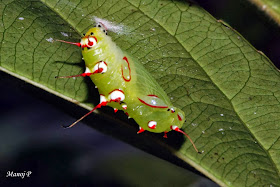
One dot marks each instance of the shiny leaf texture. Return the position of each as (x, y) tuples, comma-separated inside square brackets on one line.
[(229, 91)]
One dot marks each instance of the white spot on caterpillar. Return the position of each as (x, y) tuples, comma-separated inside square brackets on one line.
[(100, 65), (152, 124), (173, 127), (50, 40), (64, 34), (91, 41), (124, 106), (102, 98), (87, 70), (117, 94), (21, 18)]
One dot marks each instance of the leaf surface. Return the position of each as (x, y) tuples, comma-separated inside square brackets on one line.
[(229, 91)]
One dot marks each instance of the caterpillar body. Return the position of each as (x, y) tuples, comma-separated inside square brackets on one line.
[(124, 84)]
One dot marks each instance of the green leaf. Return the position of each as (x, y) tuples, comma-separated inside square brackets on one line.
[(228, 90), (270, 7)]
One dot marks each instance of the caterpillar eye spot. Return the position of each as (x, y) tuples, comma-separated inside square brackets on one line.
[(168, 109), (172, 110), (84, 34), (104, 31), (88, 47), (91, 33), (98, 25)]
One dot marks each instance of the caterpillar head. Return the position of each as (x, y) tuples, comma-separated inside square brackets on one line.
[(91, 38)]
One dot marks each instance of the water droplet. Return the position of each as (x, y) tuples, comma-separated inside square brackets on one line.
[(194, 124), (64, 34), (50, 39), (222, 114), (21, 18), (221, 129), (255, 112), (264, 7), (203, 132)]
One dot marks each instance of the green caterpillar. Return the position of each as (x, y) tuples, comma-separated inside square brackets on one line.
[(124, 84)]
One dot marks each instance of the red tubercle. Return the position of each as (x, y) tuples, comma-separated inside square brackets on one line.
[(90, 43), (153, 126), (140, 130), (165, 134), (151, 105), (127, 80), (99, 70), (117, 100)]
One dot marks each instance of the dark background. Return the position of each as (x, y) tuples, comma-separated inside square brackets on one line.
[(32, 138)]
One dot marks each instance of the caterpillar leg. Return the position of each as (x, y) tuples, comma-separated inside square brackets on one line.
[(103, 102), (165, 134), (140, 130)]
